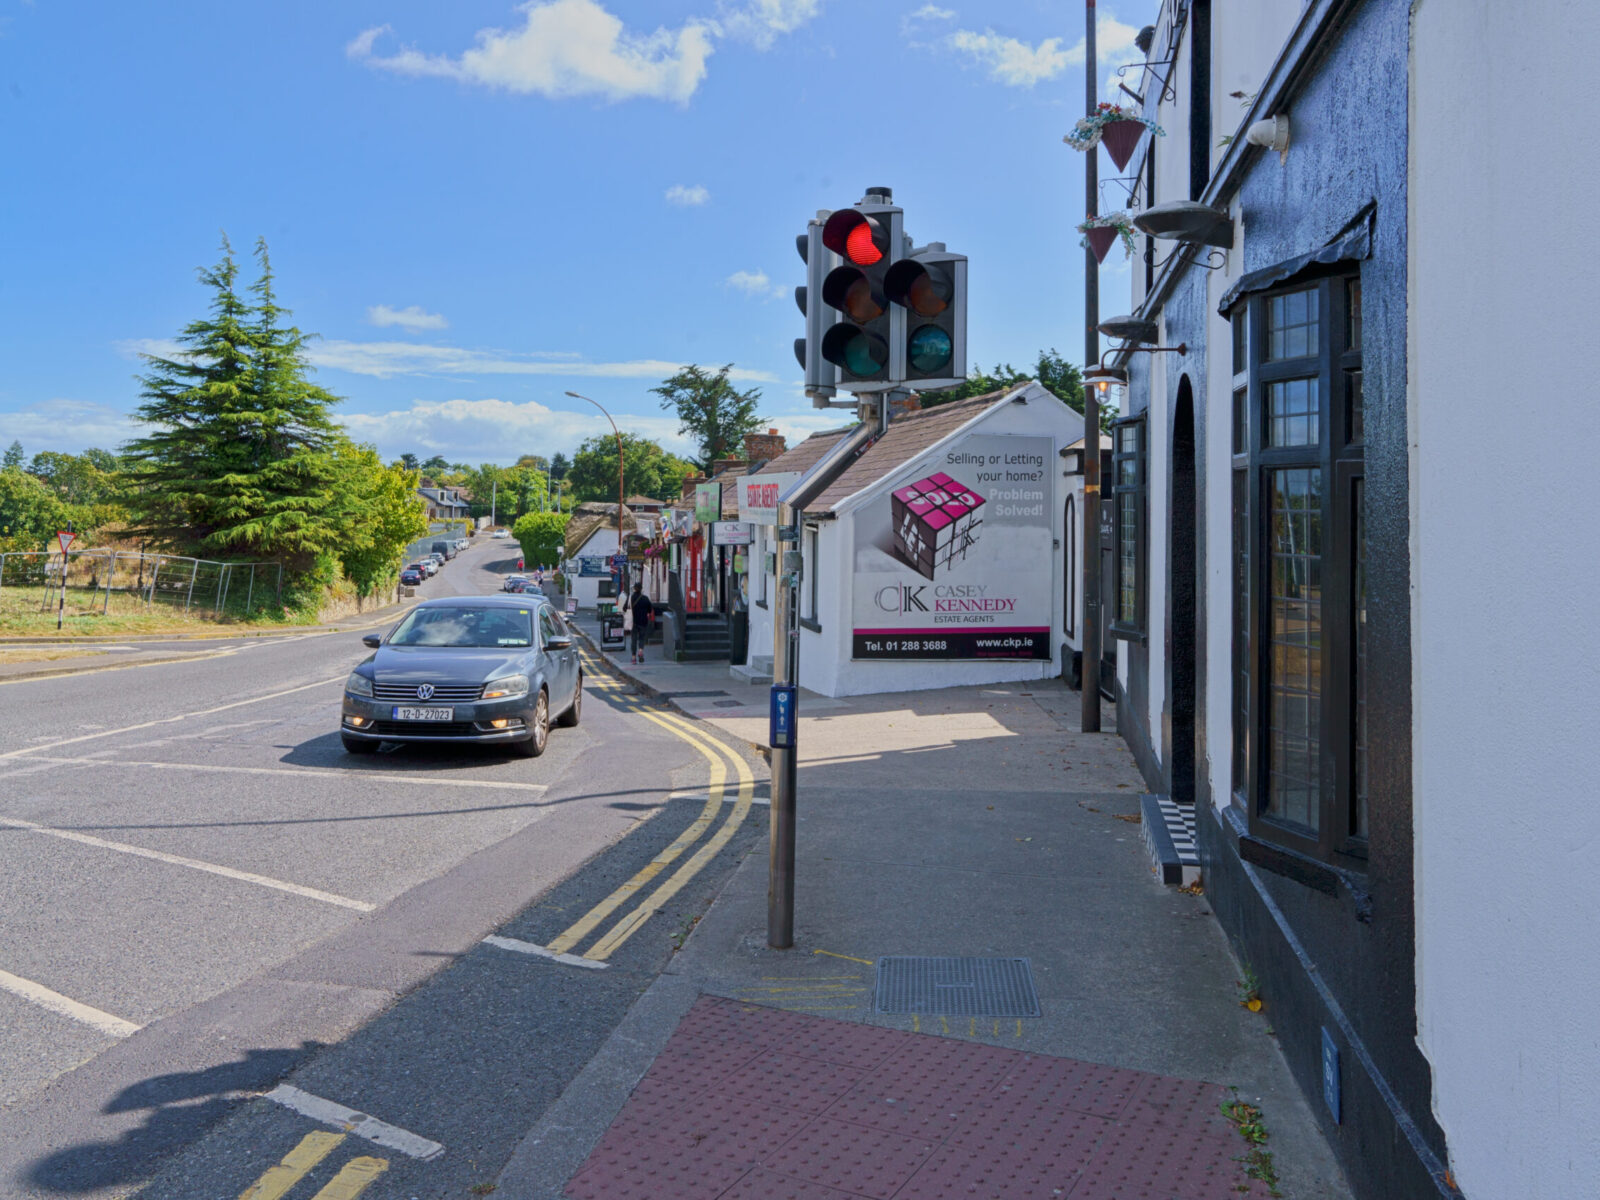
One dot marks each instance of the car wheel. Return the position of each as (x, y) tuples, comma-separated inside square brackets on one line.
[(533, 745), (357, 745), (574, 714)]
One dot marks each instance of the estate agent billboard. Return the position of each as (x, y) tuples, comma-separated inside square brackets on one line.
[(758, 496), (956, 560)]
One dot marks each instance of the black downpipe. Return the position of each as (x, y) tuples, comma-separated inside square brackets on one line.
[(1199, 98)]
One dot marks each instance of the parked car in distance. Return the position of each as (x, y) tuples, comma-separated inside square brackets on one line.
[(483, 669), (427, 566), (500, 533), (511, 581), (412, 576), (447, 549), (461, 544), (437, 559)]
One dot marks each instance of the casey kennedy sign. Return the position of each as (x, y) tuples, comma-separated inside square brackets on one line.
[(955, 562), (759, 496)]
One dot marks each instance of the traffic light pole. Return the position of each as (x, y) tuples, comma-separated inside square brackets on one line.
[(1091, 417), (874, 412)]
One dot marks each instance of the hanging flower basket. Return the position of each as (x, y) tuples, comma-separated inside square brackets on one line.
[(1119, 128), (1101, 233)]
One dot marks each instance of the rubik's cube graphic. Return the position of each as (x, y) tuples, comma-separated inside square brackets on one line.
[(936, 521)]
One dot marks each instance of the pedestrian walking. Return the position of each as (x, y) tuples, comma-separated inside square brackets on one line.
[(519, 564), (636, 620)]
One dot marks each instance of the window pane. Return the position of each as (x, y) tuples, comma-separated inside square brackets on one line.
[(1241, 435), (1352, 329), (1294, 413), (1292, 325), (1354, 405), (1358, 685), (1241, 629), (1128, 558), (1241, 323), (1294, 646)]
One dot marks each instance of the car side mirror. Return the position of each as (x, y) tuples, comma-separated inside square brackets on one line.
[(558, 643), (373, 639)]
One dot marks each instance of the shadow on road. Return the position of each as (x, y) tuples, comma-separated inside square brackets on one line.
[(181, 1106)]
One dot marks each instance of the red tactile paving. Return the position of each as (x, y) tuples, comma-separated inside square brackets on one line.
[(753, 1103)]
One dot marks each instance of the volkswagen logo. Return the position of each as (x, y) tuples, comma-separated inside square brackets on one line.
[(424, 691)]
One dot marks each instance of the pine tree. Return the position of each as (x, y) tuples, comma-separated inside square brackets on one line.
[(15, 456), (237, 460)]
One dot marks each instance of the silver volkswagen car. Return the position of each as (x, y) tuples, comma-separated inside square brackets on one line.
[(479, 669)]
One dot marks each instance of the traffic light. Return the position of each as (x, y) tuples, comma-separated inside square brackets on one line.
[(865, 339), (930, 287), (821, 376)]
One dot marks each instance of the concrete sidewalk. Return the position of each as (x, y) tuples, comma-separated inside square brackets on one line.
[(962, 823)]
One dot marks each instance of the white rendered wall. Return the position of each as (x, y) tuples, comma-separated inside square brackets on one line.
[(1217, 513), (761, 618), (1505, 562), (1246, 36), (602, 541)]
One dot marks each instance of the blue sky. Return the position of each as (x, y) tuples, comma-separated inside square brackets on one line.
[(479, 205)]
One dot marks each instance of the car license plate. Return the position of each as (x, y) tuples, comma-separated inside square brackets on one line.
[(423, 714)]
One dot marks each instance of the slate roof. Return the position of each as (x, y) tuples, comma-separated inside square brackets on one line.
[(587, 519), (806, 455), (906, 438)]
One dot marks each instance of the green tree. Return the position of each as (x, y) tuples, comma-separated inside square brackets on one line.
[(14, 456), (1058, 376), (436, 463), (409, 462), (380, 513), (711, 411), (29, 512), (542, 536), (648, 470), (86, 478), (537, 462), (237, 460), (559, 466)]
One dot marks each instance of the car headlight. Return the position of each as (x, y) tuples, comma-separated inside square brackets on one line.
[(506, 686), (358, 684)]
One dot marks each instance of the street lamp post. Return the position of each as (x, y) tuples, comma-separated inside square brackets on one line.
[(622, 578), (1090, 679)]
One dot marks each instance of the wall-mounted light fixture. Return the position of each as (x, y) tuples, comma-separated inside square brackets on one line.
[(1271, 134), (1191, 223)]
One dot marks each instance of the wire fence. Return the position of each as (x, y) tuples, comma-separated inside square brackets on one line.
[(126, 581)]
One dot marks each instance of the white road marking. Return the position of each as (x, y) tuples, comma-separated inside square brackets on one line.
[(177, 860), (204, 712), (343, 775), (380, 1133), (65, 1006), (729, 797), (571, 960)]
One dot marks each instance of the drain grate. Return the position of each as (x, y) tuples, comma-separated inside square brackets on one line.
[(956, 987)]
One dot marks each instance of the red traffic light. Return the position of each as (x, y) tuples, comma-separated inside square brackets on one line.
[(856, 237)]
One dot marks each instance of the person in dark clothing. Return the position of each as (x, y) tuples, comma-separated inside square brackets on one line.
[(641, 612)]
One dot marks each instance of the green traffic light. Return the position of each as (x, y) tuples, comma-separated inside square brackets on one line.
[(929, 350), (862, 356)]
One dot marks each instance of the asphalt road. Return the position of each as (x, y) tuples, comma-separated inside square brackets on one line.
[(205, 896)]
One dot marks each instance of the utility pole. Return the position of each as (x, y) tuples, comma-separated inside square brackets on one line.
[(1091, 412), (622, 574), (494, 496)]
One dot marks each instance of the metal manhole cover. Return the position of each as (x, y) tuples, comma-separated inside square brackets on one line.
[(727, 703), (956, 987)]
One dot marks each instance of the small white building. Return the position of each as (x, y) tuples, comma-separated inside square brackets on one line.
[(943, 555), (590, 544)]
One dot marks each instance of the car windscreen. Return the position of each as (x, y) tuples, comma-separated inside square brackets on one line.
[(464, 625)]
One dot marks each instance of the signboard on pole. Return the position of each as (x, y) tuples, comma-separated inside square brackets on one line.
[(759, 496), (784, 717), (955, 561), (707, 502), (730, 533), (65, 537)]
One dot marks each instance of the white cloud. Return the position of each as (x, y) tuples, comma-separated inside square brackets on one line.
[(68, 426), (385, 360), (411, 318), (360, 46), (762, 22), (492, 429), (932, 12), (1017, 63), (756, 283), (566, 48), (688, 197)]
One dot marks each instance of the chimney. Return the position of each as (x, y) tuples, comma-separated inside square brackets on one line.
[(904, 407), (688, 486), (728, 464), (764, 447)]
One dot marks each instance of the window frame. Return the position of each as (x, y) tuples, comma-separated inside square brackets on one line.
[(1139, 488), (1339, 460), (810, 543)]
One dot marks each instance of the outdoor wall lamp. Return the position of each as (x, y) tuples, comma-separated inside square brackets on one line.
[(1103, 378), (1180, 349), (1130, 329), (1192, 224)]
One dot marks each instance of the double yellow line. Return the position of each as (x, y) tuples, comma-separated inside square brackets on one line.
[(717, 755)]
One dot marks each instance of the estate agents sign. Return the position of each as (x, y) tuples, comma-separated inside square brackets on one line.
[(955, 562), (759, 495)]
